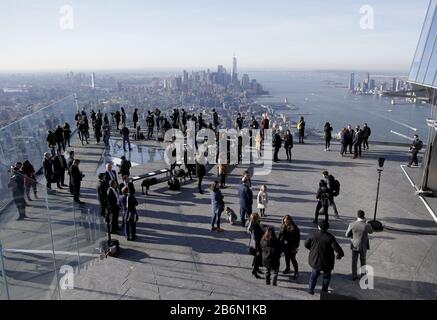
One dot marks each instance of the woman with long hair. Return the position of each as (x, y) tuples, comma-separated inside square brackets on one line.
[(289, 237), (256, 233), (217, 206), (271, 254)]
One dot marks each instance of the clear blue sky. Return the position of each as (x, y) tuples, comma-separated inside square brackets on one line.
[(264, 34)]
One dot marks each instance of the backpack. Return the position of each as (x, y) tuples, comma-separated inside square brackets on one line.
[(420, 145), (174, 184), (335, 187)]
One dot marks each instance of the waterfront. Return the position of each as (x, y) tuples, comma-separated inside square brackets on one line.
[(320, 103)]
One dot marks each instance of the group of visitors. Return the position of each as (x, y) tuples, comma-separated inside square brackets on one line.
[(357, 138), (117, 197), (267, 249)]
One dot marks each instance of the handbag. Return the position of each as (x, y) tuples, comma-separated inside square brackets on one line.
[(252, 245)]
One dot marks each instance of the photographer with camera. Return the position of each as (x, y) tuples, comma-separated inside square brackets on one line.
[(414, 149)]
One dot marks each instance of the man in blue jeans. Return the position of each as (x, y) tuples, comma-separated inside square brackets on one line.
[(322, 246)]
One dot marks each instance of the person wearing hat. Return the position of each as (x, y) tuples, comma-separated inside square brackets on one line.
[(324, 249)]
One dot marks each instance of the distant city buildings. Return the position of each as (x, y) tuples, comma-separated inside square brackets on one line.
[(352, 82), (371, 86), (209, 81)]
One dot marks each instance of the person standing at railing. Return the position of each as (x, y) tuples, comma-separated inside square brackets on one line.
[(51, 140), (67, 134), (125, 134), (135, 118), (59, 133), (301, 128), (29, 179), (16, 183), (117, 117), (48, 169)]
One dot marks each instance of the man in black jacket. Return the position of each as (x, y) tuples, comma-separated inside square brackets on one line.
[(357, 141), (323, 200), (59, 133), (334, 190), (246, 200), (69, 165), (102, 194), (59, 168), (350, 137), (125, 166), (414, 149), (135, 118), (76, 178), (366, 135), (48, 169), (322, 246), (277, 143), (125, 134), (200, 173), (113, 206)]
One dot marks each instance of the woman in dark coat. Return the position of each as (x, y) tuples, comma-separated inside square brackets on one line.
[(288, 144), (256, 234), (271, 254), (328, 135), (29, 179), (289, 237), (67, 134), (217, 206)]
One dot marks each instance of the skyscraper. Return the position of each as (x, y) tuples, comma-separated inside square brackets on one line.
[(93, 80), (393, 87), (234, 70), (245, 81), (352, 82)]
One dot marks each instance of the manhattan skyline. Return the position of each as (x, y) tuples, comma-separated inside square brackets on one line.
[(135, 35)]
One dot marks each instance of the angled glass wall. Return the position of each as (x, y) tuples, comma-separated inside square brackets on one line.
[(420, 72), (57, 236)]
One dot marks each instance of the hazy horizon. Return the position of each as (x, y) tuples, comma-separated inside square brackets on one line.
[(136, 35)]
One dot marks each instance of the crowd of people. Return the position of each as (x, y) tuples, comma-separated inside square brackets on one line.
[(118, 203), (267, 246)]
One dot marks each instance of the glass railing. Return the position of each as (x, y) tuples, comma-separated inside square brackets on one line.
[(40, 255)]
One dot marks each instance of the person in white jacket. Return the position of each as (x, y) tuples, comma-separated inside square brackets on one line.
[(262, 200)]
